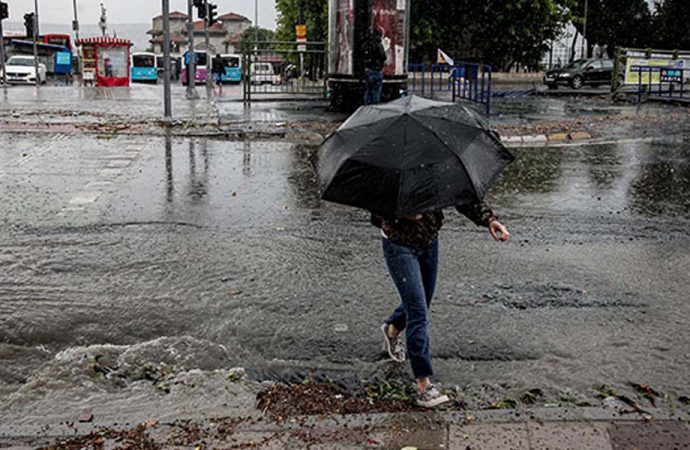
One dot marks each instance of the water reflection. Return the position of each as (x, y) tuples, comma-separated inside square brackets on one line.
[(663, 184), (170, 189), (198, 178)]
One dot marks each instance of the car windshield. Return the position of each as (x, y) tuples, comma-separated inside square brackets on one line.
[(14, 61), (576, 64)]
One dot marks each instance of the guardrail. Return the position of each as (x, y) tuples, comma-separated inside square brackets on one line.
[(666, 79), (467, 81)]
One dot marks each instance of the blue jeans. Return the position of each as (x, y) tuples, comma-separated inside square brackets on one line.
[(414, 273), (373, 87)]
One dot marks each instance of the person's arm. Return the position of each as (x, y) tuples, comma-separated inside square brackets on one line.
[(482, 215)]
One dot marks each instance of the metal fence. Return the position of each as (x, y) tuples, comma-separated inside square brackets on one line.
[(281, 70), (661, 83), (467, 81)]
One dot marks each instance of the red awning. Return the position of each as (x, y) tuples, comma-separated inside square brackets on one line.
[(105, 42)]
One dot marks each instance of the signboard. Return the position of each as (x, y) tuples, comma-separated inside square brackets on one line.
[(389, 19), (301, 31), (301, 44), (671, 75), (650, 68), (342, 44), (63, 58)]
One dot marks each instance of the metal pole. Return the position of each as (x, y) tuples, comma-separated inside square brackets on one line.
[(75, 24), (35, 38), (584, 33), (208, 53), (256, 23), (2, 57), (167, 101), (191, 67)]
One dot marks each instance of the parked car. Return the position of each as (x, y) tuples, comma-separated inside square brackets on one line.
[(581, 72), (21, 70), (263, 73)]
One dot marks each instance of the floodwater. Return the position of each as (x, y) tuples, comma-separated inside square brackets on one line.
[(124, 258)]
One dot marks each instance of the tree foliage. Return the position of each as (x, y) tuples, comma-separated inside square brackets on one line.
[(496, 32), (248, 37), (672, 25), (618, 23), (314, 14)]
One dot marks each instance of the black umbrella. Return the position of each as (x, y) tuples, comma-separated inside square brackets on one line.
[(410, 156)]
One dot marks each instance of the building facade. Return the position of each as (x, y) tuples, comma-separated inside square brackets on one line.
[(224, 35)]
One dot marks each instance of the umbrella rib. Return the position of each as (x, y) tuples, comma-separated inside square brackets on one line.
[(462, 163)]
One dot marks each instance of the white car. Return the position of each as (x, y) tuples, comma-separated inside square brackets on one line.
[(264, 73), (21, 70)]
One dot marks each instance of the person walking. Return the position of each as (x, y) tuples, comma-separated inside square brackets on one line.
[(411, 251), (218, 71), (374, 61)]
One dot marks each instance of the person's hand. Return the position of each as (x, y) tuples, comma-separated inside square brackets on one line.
[(498, 231)]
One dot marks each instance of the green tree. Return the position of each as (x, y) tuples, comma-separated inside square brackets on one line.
[(672, 25), (503, 34), (248, 37), (314, 14), (618, 23)]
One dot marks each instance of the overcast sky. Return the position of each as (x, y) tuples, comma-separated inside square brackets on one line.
[(131, 11)]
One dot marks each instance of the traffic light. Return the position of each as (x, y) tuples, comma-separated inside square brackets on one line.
[(4, 12), (212, 14), (201, 8), (29, 24)]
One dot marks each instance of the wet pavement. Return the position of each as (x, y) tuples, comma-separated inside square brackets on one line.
[(151, 255), (137, 270)]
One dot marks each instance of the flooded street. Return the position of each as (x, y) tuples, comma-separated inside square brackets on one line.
[(209, 254)]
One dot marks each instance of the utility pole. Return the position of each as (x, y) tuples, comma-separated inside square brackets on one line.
[(5, 15), (35, 38), (75, 23), (256, 24), (191, 55), (583, 52), (103, 22), (208, 52), (167, 101)]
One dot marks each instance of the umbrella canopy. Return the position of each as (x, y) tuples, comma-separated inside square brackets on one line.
[(410, 156)]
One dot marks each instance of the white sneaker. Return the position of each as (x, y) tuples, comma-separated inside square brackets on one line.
[(431, 397), (395, 346)]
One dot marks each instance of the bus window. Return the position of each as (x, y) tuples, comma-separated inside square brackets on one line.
[(231, 61), (143, 60)]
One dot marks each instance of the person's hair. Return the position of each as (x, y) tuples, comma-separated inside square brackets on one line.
[(217, 55)]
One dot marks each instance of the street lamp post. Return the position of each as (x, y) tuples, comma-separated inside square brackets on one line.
[(35, 38), (2, 55), (75, 23), (191, 66), (584, 34), (208, 50), (256, 23), (167, 101)]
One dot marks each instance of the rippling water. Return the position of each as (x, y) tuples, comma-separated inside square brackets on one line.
[(210, 254)]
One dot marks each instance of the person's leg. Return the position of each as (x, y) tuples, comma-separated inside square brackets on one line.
[(428, 263), (405, 271), (377, 88), (367, 89)]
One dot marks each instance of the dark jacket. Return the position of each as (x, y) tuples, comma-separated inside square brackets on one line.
[(421, 233), (218, 66), (374, 55)]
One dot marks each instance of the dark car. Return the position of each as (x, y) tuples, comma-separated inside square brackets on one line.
[(581, 72)]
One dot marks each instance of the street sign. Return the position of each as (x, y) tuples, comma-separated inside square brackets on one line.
[(301, 44), (301, 31)]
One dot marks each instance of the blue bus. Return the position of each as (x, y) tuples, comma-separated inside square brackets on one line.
[(144, 67), (233, 68)]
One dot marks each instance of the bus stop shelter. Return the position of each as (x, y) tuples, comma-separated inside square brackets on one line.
[(105, 61)]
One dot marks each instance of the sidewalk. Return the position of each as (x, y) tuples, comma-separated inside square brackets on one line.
[(585, 428)]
